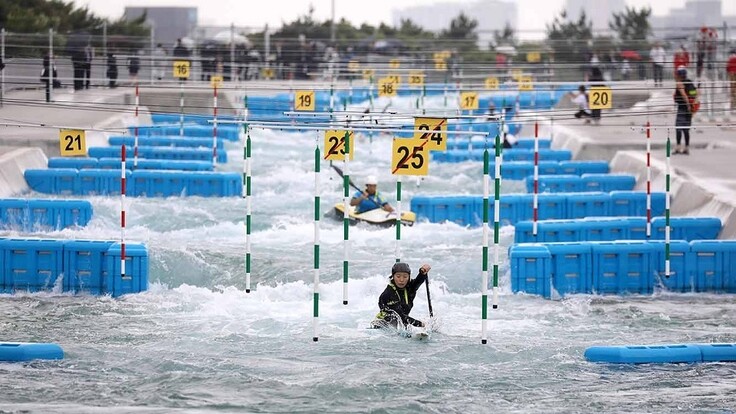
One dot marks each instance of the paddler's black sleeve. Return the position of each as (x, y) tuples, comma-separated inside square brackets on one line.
[(389, 303), (415, 283)]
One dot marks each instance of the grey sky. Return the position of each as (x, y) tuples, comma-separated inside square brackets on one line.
[(533, 14)]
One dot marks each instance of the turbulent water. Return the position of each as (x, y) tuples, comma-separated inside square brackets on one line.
[(197, 342)]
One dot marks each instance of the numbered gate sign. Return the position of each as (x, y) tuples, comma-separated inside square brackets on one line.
[(216, 81), (600, 97), (267, 73), (396, 79), (492, 83), (394, 64), (353, 66), (410, 157), (440, 65), (525, 83), (469, 101), (181, 69), (436, 132), (368, 74), (335, 144), (304, 101), (416, 79), (386, 87), (72, 142)]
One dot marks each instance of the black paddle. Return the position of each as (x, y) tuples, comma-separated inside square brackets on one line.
[(429, 299)]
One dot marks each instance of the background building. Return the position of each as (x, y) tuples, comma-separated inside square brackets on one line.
[(598, 12), (169, 23)]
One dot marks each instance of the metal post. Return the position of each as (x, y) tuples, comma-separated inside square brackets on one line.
[(232, 52), (50, 88), (104, 39), (153, 62), (2, 72), (332, 25), (267, 41)]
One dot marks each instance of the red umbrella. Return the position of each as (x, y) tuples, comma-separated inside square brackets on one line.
[(630, 54)]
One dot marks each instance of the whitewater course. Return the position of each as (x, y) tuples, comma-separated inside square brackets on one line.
[(218, 309)]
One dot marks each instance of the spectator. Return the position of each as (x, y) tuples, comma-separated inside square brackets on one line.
[(77, 56), (625, 69), (684, 91), (596, 79), (682, 58), (159, 56), (89, 55), (49, 76), (581, 100), (112, 70), (134, 65), (181, 52), (657, 56)]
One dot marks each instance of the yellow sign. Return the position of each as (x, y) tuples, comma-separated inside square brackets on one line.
[(416, 79), (468, 101), (216, 81), (492, 83), (368, 74), (353, 66), (410, 157), (267, 73), (600, 97), (516, 74), (181, 69), (396, 79), (436, 132), (72, 142), (304, 101), (335, 144), (440, 65), (386, 87), (394, 64), (533, 57), (525, 83)]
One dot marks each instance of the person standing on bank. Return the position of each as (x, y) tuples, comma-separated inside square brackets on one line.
[(369, 199), (89, 55), (397, 299), (684, 95)]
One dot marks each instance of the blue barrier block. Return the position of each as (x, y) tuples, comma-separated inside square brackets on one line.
[(608, 182), (213, 184), (551, 206), (604, 229), (717, 352), (680, 278), (571, 265), (637, 228), (580, 167), (580, 205), (644, 354), (548, 168), (153, 183), (13, 214), (21, 352), (634, 203), (72, 162), (32, 264), (560, 231), (136, 270), (53, 180), (84, 265), (104, 182), (622, 267), (714, 265), (528, 143), (148, 164), (514, 170), (159, 153), (44, 215), (165, 141), (687, 228), (513, 208), (421, 206), (524, 232), (530, 269), (556, 184)]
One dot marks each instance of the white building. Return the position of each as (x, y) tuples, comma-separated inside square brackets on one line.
[(598, 12), (685, 21), (491, 15)]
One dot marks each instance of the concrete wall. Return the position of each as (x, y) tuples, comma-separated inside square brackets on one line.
[(13, 162)]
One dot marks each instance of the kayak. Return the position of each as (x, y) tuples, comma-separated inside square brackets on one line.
[(377, 217), (417, 334)]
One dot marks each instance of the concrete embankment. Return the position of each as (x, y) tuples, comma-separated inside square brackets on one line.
[(13, 162)]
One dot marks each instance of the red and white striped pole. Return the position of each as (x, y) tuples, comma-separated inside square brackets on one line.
[(122, 210), (135, 144), (535, 198), (649, 181), (214, 124)]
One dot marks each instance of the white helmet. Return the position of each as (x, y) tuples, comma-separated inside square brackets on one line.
[(371, 180)]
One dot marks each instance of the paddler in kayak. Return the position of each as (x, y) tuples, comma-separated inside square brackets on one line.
[(369, 199), (397, 299)]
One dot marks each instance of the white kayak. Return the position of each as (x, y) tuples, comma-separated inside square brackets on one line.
[(378, 217)]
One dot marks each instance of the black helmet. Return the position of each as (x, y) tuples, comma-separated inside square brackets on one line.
[(400, 267)]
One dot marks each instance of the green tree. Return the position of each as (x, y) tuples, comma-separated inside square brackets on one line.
[(569, 39), (505, 37), (632, 27), (461, 33)]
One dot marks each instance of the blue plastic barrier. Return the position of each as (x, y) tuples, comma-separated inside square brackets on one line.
[(160, 153), (604, 229), (148, 164), (645, 354), (560, 230), (608, 182), (555, 184), (226, 132), (136, 270), (84, 261), (634, 203), (622, 267), (21, 352), (72, 162), (580, 167), (571, 265), (53, 181), (551, 206), (718, 352), (680, 278), (103, 182), (57, 214), (13, 214), (530, 269), (714, 265), (528, 143), (165, 141), (687, 228), (580, 205), (31, 264)]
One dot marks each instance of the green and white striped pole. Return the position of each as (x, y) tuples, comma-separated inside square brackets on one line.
[(398, 219), (484, 286), (248, 206), (667, 210), (496, 220), (315, 316), (346, 221)]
